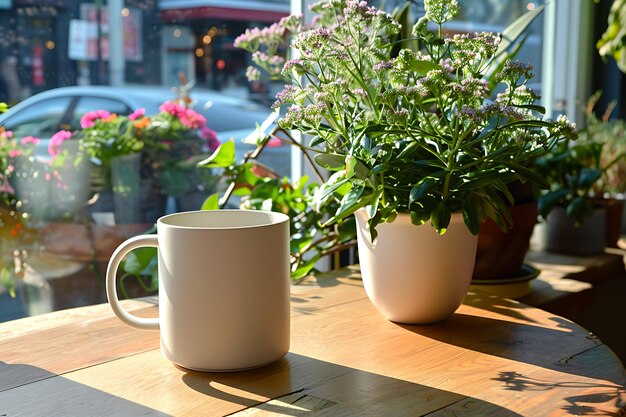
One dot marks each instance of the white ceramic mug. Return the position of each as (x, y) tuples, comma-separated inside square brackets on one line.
[(223, 288)]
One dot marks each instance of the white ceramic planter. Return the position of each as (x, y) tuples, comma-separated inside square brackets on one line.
[(411, 274)]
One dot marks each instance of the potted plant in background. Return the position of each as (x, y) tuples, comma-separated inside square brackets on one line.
[(413, 139), (143, 159), (609, 135), (580, 195), (114, 149), (500, 268), (575, 215), (175, 140)]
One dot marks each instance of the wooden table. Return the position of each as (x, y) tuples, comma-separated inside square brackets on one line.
[(494, 357)]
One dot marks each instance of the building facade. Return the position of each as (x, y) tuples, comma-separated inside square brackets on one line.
[(51, 43)]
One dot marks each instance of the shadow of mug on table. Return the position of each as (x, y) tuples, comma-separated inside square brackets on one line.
[(223, 288)]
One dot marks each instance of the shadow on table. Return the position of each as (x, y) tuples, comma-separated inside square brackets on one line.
[(301, 385), (54, 395), (578, 405), (557, 350)]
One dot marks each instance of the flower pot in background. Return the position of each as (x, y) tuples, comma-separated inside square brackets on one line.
[(410, 273), (52, 193), (614, 212), (501, 254), (126, 185), (559, 233), (128, 193)]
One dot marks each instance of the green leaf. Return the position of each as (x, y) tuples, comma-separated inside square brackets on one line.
[(492, 212), (480, 179), (440, 218), (408, 150), (140, 261), (350, 165), (379, 169), (316, 140), (423, 66), (579, 208), (539, 109), (529, 174), (548, 201), (361, 171), (420, 189), (304, 268), (326, 191), (350, 203), (211, 203), (331, 161), (223, 157), (515, 29), (421, 211), (588, 176), (471, 214)]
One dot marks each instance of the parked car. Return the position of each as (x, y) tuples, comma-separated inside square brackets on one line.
[(45, 113)]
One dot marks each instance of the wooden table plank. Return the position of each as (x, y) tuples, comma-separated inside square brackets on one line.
[(64, 341), (494, 357)]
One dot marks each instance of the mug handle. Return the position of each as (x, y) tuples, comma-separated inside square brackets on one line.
[(111, 281)]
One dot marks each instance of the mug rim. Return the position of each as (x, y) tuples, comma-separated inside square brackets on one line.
[(274, 218)]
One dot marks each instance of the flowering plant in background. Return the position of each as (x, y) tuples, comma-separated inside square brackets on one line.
[(428, 131), (175, 140), (8, 151), (170, 142), (104, 136)]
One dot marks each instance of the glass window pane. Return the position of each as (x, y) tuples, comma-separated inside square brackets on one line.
[(41, 119)]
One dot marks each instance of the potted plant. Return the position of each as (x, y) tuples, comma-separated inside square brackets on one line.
[(610, 136), (500, 268), (413, 139), (575, 207), (144, 159)]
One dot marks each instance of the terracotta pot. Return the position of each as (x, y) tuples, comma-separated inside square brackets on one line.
[(500, 255), (413, 275)]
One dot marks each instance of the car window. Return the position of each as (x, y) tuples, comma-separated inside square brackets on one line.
[(41, 119), (87, 104)]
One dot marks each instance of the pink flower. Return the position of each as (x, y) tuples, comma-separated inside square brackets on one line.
[(13, 153), (192, 119), (208, 134), (274, 143), (54, 147), (48, 176), (188, 117), (8, 133), (137, 114), (210, 137), (89, 119), (174, 109), (30, 140), (5, 186)]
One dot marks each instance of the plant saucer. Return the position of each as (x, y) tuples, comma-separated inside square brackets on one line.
[(514, 287)]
